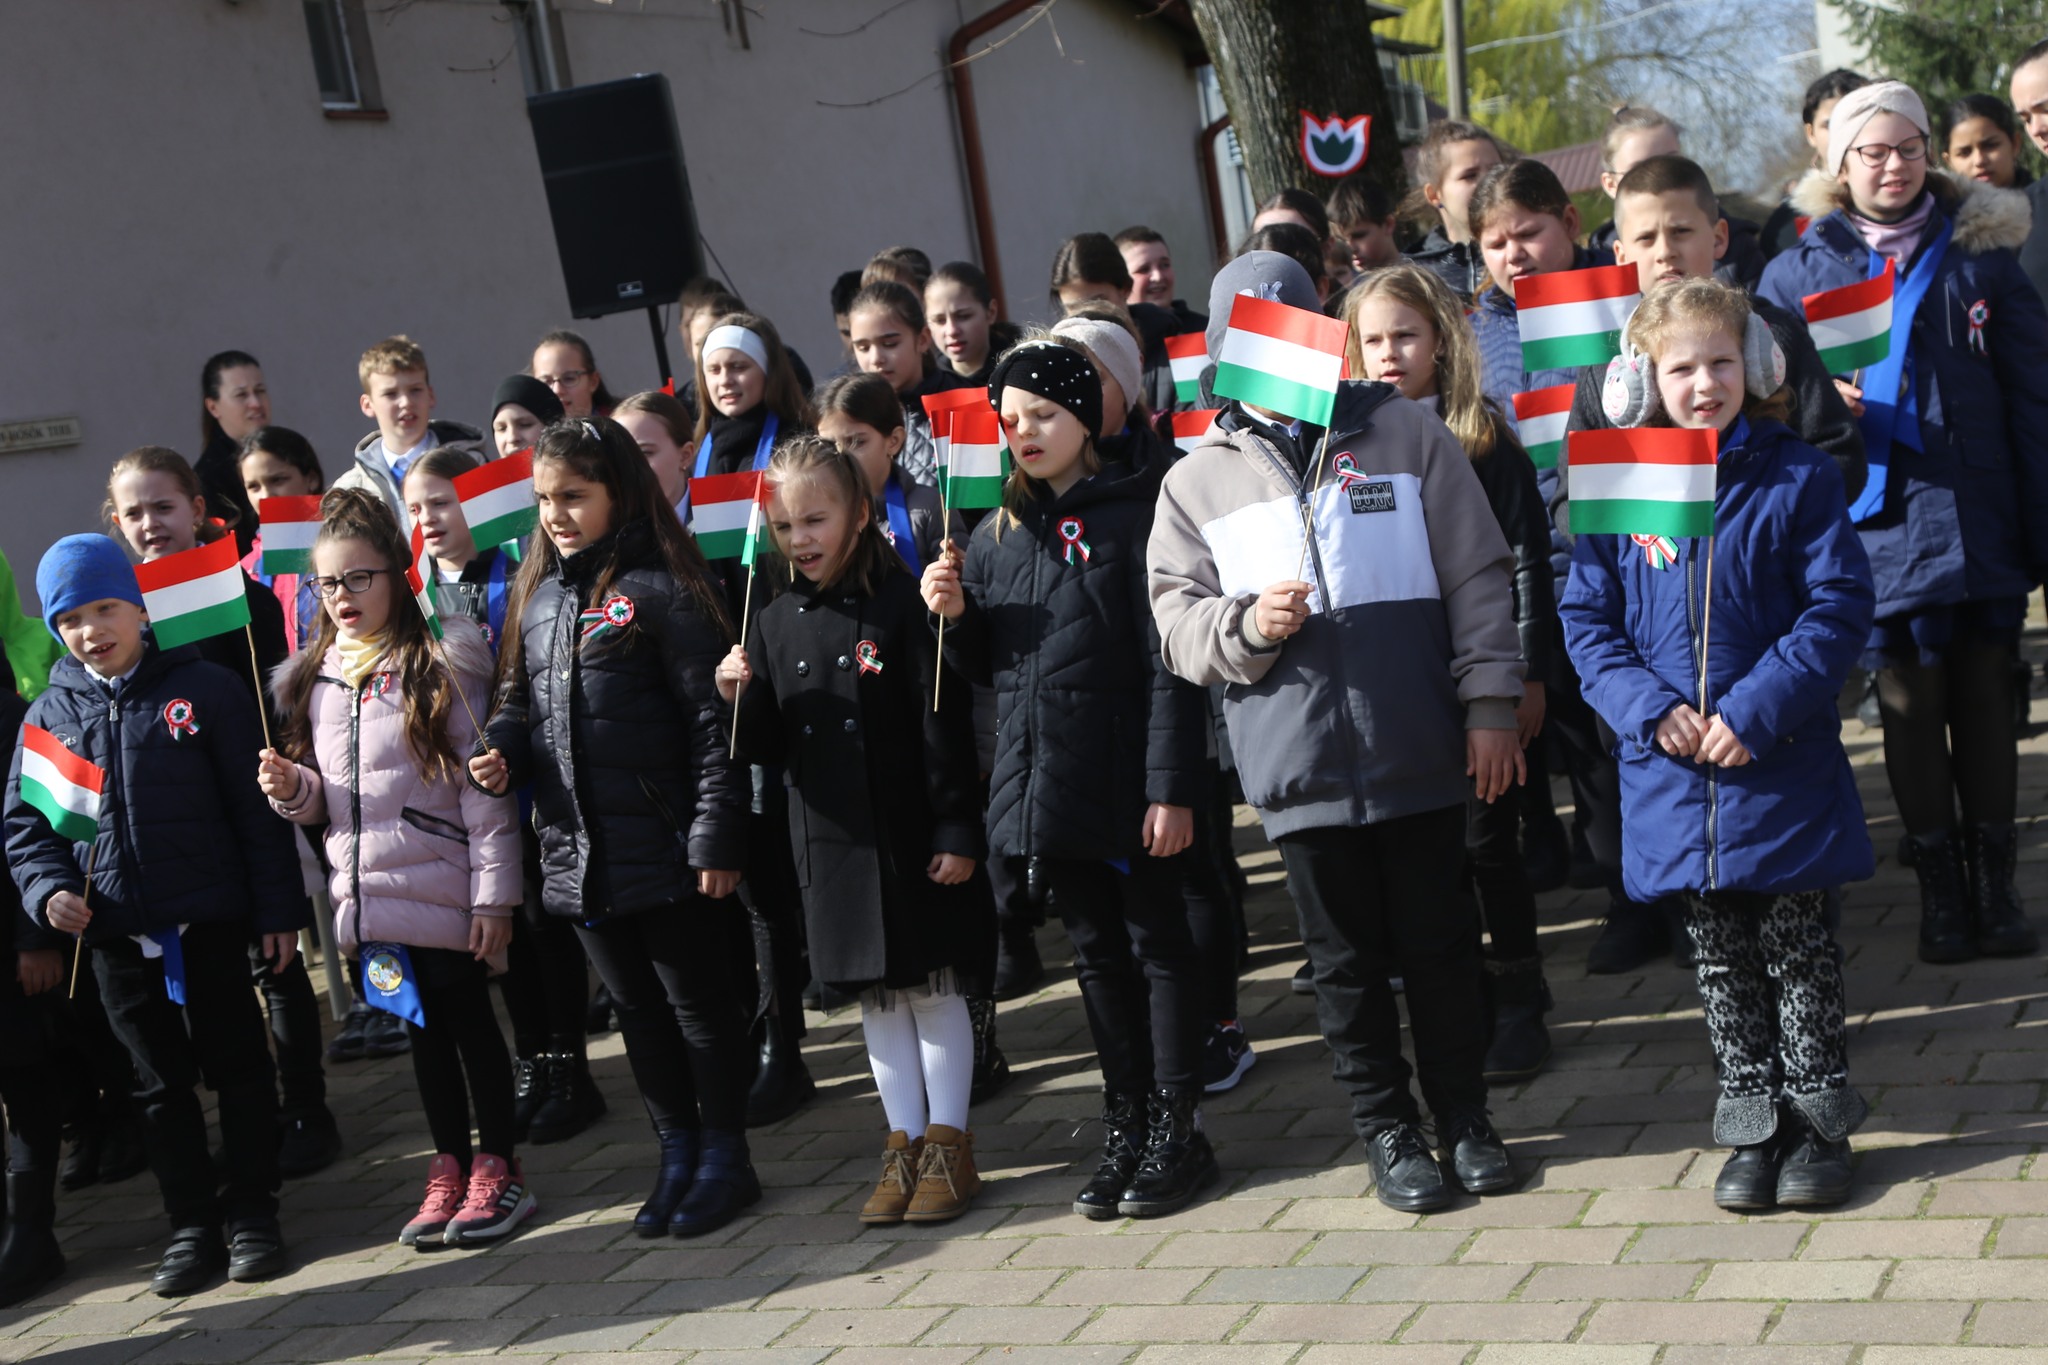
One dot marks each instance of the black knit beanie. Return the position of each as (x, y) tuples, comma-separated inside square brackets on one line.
[(529, 393), (1053, 371)]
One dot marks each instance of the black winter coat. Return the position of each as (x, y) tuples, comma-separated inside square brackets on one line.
[(266, 630), (185, 835), (1090, 726), (623, 737), (1509, 479), (842, 699), (220, 478)]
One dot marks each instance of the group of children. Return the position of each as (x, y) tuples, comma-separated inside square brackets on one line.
[(864, 759)]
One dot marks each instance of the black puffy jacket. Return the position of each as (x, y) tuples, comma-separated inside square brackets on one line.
[(185, 834), (1090, 727), (1509, 479), (622, 735)]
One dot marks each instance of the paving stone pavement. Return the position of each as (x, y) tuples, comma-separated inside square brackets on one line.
[(1612, 1253)]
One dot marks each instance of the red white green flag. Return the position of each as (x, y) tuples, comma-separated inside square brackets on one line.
[(1574, 317), (288, 527), (725, 513), (980, 459), (1286, 360), (1643, 481), (940, 407), (1189, 355), (194, 594), (1852, 326), (498, 501), (1542, 415), (60, 784), (1191, 426), (419, 576)]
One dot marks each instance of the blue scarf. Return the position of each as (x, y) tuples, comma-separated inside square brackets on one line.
[(899, 523), (1891, 387)]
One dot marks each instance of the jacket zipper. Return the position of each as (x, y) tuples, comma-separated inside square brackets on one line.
[(1693, 620), (114, 764), (355, 801)]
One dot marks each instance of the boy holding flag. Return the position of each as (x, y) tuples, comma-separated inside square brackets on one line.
[(177, 863), (1328, 554)]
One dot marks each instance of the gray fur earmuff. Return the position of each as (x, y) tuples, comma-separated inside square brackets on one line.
[(1629, 395)]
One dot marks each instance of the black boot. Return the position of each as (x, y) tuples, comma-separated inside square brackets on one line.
[(81, 1164), (573, 1101), (1520, 998), (1019, 969), (1177, 1163), (1944, 904), (529, 1089), (1998, 918), (722, 1185), (671, 1182), (1123, 1143), (1754, 1126), (782, 1083), (1816, 1173), (29, 1257), (1633, 936), (991, 1067)]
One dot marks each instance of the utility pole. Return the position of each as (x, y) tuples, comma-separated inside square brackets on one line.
[(1454, 59)]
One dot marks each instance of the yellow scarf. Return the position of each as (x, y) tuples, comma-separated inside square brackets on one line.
[(359, 658)]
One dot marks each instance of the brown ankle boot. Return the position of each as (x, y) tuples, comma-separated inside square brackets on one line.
[(901, 1159), (946, 1180)]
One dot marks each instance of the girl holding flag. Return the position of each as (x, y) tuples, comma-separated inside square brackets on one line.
[(607, 705), (372, 748), (1954, 513), (860, 414), (127, 826), (1719, 680)]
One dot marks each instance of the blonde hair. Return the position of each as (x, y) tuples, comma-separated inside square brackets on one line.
[(1632, 118), (1695, 308), (867, 556), (1459, 399), (392, 355)]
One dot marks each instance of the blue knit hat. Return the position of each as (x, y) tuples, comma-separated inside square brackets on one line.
[(81, 569)]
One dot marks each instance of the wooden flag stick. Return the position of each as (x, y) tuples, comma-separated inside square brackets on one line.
[(746, 611), (441, 652), (1706, 626), (78, 950), (256, 672), (1308, 517)]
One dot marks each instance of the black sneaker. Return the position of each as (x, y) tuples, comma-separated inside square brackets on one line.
[(1477, 1158), (1405, 1173), (1304, 982), (1226, 1055), (385, 1036), (1634, 936), (256, 1252), (189, 1264), (307, 1142), (348, 1043)]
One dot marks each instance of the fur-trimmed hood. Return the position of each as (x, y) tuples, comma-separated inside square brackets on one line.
[(1986, 218)]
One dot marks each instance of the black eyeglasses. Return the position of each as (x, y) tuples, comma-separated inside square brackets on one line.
[(355, 582), (1874, 154), (565, 377)]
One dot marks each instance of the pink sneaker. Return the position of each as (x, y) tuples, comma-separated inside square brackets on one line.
[(445, 1185), (497, 1204)]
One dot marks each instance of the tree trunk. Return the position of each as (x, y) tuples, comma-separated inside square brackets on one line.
[(1276, 58)]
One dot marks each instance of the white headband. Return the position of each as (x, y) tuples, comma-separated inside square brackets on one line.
[(744, 340)]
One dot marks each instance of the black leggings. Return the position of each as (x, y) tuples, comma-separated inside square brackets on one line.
[(1948, 736), (1495, 876), (1134, 957), (681, 1011), (460, 1056), (547, 984), (34, 1094)]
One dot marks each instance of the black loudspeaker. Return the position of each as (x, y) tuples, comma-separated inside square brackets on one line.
[(617, 191)]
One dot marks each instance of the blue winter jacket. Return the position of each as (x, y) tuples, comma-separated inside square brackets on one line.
[(185, 834), (1792, 605), (1967, 520)]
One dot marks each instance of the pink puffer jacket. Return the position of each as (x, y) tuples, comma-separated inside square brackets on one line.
[(413, 857)]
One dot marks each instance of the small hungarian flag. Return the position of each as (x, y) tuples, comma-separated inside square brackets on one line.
[(1191, 426), (194, 593), (1643, 481), (1574, 317), (60, 784), (1287, 360), (1852, 326), (1189, 354), (724, 512), (498, 500), (289, 528), (419, 576), (940, 407), (980, 459), (1542, 415)]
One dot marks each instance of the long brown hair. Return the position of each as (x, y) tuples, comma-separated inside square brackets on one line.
[(163, 460), (782, 395), (426, 682), (868, 556), (601, 451)]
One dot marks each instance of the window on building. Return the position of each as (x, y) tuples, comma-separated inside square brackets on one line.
[(340, 37), (543, 57)]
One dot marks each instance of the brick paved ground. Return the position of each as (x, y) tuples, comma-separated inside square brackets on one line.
[(1613, 1252)]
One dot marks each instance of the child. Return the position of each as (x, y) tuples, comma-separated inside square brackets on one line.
[(1103, 333), (1150, 264), (372, 748), (277, 462), (1983, 143), (399, 396), (1783, 228), (1358, 734), (1954, 514), (859, 413), (520, 410), (2029, 90), (1452, 157), (666, 434), (153, 498), (892, 814), (608, 706), (234, 402), (961, 311), (1090, 269), (546, 987), (751, 395), (188, 861), (1741, 801), (1408, 330), (1098, 763), (564, 365), (886, 326)]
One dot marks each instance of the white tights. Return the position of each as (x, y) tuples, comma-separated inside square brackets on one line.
[(922, 1052)]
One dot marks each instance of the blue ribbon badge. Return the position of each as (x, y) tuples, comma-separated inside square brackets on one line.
[(388, 982)]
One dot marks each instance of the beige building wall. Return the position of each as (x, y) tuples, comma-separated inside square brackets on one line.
[(177, 190)]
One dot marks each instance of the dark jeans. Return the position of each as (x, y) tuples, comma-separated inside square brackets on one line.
[(682, 1011), (34, 1095), (1494, 875), (1134, 957), (1586, 746), (1949, 737), (460, 1055), (294, 1030), (217, 1036), (547, 983), (1216, 922), (1377, 901)]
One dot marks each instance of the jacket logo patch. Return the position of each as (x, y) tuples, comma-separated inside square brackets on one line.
[(181, 718), (870, 658), (1371, 495)]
